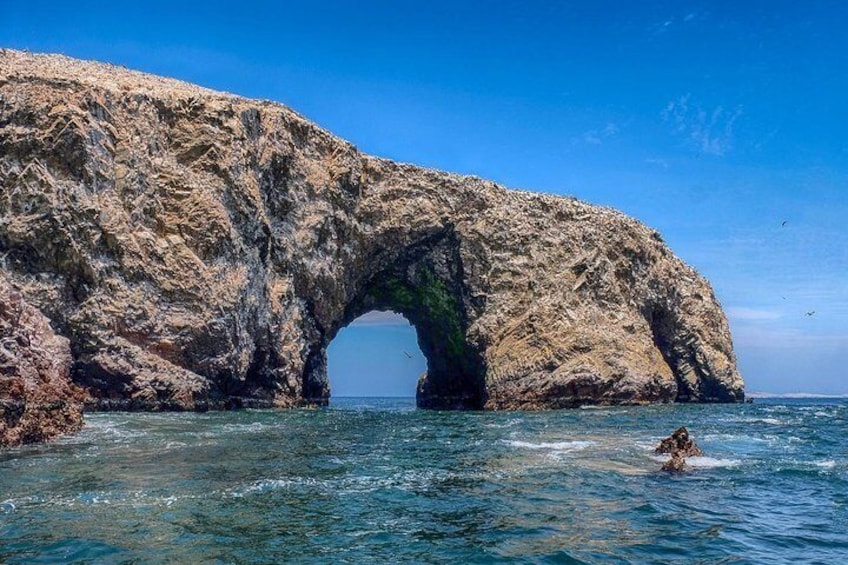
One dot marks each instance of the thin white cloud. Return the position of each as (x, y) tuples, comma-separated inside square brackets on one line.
[(657, 161), (380, 318), (708, 131), (610, 129), (596, 136), (592, 138)]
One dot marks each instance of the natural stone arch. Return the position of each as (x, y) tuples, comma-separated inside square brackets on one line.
[(425, 285), (201, 250)]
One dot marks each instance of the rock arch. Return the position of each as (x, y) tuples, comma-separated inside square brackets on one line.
[(425, 284), (201, 250)]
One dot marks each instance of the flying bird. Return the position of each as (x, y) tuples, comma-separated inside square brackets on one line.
[(810, 313), (783, 223), (407, 354)]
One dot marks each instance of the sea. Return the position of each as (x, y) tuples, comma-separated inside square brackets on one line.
[(374, 480)]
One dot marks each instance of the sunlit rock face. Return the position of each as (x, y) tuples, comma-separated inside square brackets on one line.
[(201, 250)]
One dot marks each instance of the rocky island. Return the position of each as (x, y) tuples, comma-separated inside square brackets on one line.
[(200, 250)]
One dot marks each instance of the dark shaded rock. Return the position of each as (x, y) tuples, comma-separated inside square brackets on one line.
[(679, 442), (37, 400), (201, 250), (676, 464)]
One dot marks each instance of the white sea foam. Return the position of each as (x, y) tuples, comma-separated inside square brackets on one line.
[(702, 462), (646, 446), (507, 424), (827, 464), (602, 408), (175, 445), (253, 427), (408, 480), (114, 429), (261, 486), (712, 462), (574, 445), (770, 421), (740, 438)]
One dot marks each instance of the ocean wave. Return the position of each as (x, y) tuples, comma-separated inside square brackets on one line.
[(244, 428), (263, 486), (762, 420), (573, 445), (408, 480), (220, 432), (772, 421), (650, 444), (115, 498), (507, 424), (703, 462), (602, 409), (712, 462), (114, 428), (741, 438)]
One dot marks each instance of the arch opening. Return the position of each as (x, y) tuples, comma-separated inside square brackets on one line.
[(427, 290), (376, 355)]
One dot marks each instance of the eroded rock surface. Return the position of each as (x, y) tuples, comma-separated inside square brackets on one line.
[(680, 446), (37, 399), (202, 250), (680, 442)]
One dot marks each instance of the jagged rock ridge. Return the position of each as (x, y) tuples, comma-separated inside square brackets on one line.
[(202, 250)]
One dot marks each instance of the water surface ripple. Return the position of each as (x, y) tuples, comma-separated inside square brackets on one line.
[(376, 481)]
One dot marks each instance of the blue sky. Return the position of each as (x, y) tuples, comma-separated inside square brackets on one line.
[(713, 122)]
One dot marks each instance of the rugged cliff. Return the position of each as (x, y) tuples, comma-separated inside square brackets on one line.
[(37, 399), (202, 250)]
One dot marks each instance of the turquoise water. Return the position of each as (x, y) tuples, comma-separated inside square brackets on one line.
[(377, 481)]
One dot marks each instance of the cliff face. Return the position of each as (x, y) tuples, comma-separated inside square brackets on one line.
[(202, 250), (37, 399)]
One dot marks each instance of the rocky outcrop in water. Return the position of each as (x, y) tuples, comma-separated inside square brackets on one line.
[(679, 442), (680, 446), (202, 250), (37, 399)]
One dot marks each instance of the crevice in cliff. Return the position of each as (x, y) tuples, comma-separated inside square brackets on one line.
[(663, 330)]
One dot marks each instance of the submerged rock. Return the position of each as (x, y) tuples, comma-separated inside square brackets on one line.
[(676, 464), (201, 250), (37, 399)]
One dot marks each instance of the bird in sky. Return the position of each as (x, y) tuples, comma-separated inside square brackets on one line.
[(407, 354), (783, 223), (810, 313)]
